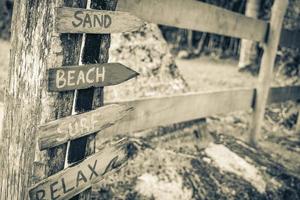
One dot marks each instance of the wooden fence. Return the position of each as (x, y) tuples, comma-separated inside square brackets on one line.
[(135, 115)]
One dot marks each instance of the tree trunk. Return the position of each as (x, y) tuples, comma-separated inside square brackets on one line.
[(35, 48), (248, 52)]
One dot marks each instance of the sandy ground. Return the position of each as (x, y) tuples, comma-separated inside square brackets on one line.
[(205, 73)]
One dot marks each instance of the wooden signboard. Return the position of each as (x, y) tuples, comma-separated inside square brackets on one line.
[(72, 127), (77, 20), (71, 181), (82, 77)]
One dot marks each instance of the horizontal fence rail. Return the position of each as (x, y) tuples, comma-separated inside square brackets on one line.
[(190, 14), (153, 112), (204, 17), (290, 38), (161, 111)]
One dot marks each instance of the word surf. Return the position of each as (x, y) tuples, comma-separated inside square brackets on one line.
[(72, 127)]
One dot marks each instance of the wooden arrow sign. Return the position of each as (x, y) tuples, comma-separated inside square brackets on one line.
[(82, 77), (69, 128), (76, 20), (71, 181)]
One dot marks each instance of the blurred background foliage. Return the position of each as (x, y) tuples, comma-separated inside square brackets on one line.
[(189, 44)]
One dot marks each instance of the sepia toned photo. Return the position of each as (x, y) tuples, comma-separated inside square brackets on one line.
[(150, 100)]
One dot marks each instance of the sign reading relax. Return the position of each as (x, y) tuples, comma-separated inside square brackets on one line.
[(82, 77), (71, 181), (77, 20)]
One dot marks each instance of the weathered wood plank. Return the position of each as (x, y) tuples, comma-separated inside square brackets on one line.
[(76, 20), (73, 180), (297, 128), (196, 16), (290, 38), (282, 94), (161, 111), (266, 69), (82, 77), (72, 127)]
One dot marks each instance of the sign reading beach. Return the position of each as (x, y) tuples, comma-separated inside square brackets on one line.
[(82, 77)]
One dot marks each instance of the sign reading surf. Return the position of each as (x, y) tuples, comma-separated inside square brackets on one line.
[(77, 20), (82, 77)]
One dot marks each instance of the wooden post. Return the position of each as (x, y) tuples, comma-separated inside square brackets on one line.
[(266, 69), (95, 50), (298, 120), (36, 48), (248, 52)]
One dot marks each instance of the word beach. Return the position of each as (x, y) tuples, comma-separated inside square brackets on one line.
[(82, 77)]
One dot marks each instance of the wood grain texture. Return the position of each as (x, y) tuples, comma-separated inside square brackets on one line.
[(34, 49), (282, 94), (266, 69), (69, 128), (290, 38), (297, 128), (73, 180), (76, 20), (196, 16), (153, 112), (95, 50), (83, 77), (161, 111)]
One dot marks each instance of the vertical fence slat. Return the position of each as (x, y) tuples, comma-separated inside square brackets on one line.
[(266, 69), (71, 45), (298, 120)]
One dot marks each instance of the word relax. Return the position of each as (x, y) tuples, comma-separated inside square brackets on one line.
[(96, 20), (72, 182), (75, 78)]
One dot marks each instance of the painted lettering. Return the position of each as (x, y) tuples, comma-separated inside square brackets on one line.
[(81, 78), (80, 177), (87, 20), (94, 120), (76, 16), (60, 80), (107, 21), (53, 191), (40, 195), (88, 80), (71, 78), (97, 20), (93, 20), (84, 125), (111, 165), (100, 76), (93, 170), (64, 186)]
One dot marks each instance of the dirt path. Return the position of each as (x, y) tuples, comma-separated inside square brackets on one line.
[(205, 73)]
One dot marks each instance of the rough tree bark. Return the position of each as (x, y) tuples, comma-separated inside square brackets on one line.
[(35, 48), (248, 52)]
